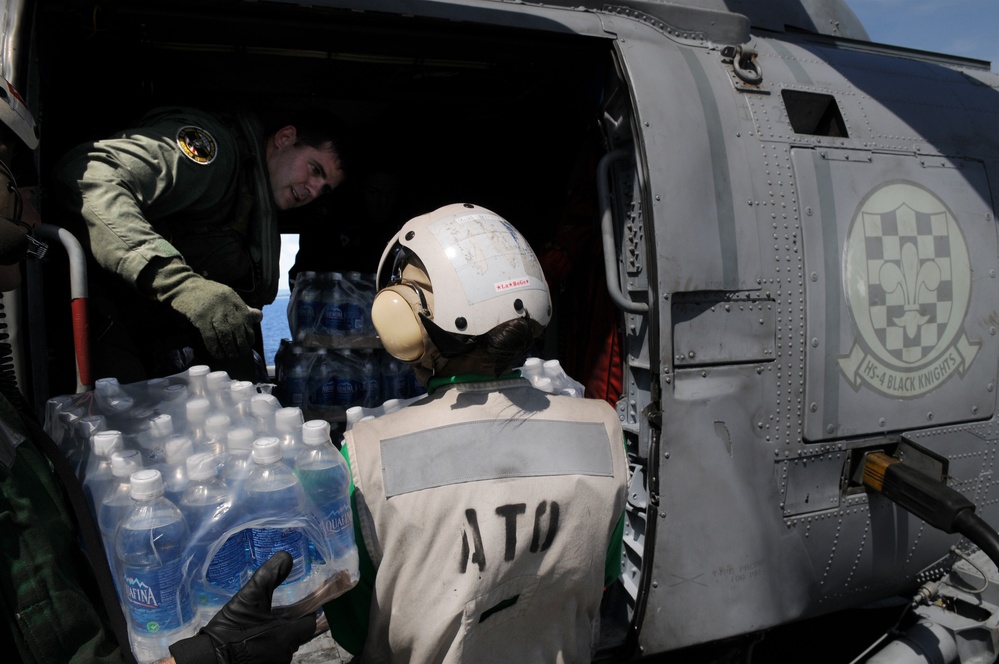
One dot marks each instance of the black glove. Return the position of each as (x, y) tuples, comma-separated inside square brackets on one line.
[(245, 630)]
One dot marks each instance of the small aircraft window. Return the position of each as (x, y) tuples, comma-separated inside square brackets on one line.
[(814, 113)]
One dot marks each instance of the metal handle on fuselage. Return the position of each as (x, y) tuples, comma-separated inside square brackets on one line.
[(607, 232)]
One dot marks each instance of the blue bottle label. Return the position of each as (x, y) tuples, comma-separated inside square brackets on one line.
[(158, 600), (265, 542), (228, 564), (340, 528), (307, 313)]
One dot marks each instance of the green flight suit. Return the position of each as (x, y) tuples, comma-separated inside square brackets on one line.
[(186, 187)]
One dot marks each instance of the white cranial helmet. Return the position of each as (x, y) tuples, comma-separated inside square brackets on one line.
[(481, 272)]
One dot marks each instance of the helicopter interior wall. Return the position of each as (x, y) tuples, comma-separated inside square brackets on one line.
[(452, 111)]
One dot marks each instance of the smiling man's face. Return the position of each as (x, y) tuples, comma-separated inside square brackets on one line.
[(299, 173)]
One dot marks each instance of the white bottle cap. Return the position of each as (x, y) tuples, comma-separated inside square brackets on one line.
[(354, 414), (267, 450), (106, 442), (90, 425), (218, 381), (240, 438), (392, 405), (146, 484), (241, 390), (264, 405), (197, 409), (316, 432), (544, 384), (106, 384), (125, 462), (199, 370), (156, 386), (177, 449), (161, 426), (217, 425), (175, 391), (532, 367), (201, 466), (288, 420)]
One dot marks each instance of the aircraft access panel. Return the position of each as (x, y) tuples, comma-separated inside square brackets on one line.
[(901, 292)]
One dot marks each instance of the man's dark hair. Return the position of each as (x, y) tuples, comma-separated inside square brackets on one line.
[(320, 129)]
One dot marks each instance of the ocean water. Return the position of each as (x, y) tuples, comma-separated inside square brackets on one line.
[(275, 325)]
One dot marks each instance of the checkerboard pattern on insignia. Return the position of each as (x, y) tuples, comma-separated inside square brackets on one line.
[(910, 290)]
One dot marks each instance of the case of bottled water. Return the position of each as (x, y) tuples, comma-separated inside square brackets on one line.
[(227, 494)]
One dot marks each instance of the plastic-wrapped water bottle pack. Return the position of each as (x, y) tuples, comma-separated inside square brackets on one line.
[(195, 481)]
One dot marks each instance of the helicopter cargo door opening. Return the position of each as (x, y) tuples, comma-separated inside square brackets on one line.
[(901, 292)]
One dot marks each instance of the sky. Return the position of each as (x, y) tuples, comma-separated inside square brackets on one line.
[(968, 28)]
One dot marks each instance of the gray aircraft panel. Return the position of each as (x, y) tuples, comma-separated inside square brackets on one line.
[(898, 329), (707, 242), (724, 541)]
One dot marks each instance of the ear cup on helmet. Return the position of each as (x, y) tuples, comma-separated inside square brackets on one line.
[(394, 314)]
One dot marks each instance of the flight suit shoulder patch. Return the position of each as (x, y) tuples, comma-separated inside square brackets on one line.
[(197, 144)]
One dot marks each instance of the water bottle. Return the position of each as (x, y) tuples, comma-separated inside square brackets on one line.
[(54, 408), (99, 477), (160, 431), (197, 411), (263, 408), (326, 481), (237, 462), (172, 400), (83, 428), (282, 357), (174, 473), (354, 310), (218, 386), (240, 393), (155, 388), (150, 546), (533, 369), (365, 286), (322, 395), (110, 397), (354, 415), (347, 378), (217, 429), (394, 377), (561, 382), (371, 380), (197, 380), (296, 376), (331, 321), (117, 501), (288, 429), (308, 306), (273, 492), (207, 505)]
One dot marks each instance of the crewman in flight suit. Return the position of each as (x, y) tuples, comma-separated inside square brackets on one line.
[(488, 515), (181, 209), (51, 608)]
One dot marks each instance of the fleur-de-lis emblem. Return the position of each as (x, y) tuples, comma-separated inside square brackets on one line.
[(915, 279)]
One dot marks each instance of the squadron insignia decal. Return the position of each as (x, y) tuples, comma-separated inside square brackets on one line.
[(908, 284), (197, 144)]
